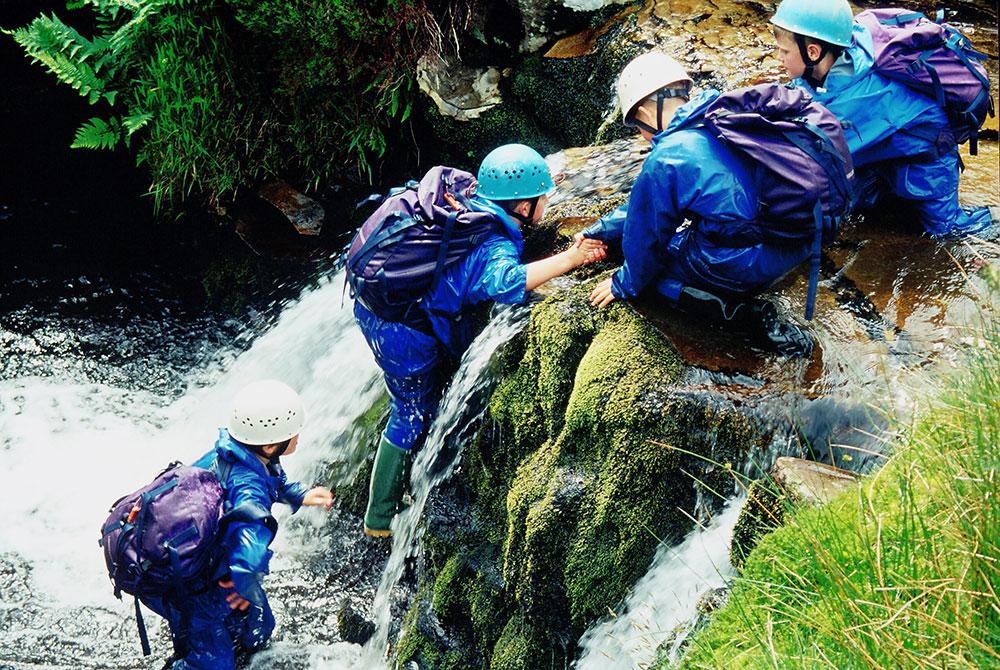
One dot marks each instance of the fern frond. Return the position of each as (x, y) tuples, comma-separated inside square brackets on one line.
[(136, 121), (98, 134), (68, 55)]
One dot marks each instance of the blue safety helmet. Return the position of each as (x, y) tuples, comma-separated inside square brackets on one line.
[(514, 172), (829, 21)]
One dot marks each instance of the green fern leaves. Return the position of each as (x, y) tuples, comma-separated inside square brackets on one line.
[(98, 134), (74, 59)]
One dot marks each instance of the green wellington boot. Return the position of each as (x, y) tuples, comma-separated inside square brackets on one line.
[(390, 475)]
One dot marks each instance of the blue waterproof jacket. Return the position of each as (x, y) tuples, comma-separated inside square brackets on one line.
[(249, 481), (409, 358), (491, 271), (885, 119), (692, 175)]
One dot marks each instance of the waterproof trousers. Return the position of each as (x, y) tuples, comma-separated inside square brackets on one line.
[(930, 188), (410, 363), (214, 633), (693, 260)]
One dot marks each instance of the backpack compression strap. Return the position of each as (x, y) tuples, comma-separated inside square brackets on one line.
[(837, 179)]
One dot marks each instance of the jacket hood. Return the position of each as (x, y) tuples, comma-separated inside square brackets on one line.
[(513, 231), (228, 449), (854, 62)]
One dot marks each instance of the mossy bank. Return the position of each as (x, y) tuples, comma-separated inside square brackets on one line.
[(588, 458)]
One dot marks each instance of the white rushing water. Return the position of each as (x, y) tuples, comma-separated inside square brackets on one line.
[(71, 449), (664, 600), (452, 417)]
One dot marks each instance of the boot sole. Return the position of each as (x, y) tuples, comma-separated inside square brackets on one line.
[(377, 533)]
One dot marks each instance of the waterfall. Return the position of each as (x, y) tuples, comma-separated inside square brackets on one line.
[(458, 410), (71, 448), (664, 600)]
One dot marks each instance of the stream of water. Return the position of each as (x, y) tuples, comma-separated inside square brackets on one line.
[(81, 445)]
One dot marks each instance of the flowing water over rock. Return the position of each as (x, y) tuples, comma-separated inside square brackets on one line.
[(104, 380)]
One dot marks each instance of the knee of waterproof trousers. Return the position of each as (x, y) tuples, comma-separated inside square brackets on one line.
[(207, 642), (932, 188), (412, 403), (251, 628)]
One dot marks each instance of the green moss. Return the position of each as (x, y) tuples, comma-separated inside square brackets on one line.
[(449, 596), (529, 485), (420, 643), (618, 388), (349, 478), (763, 511), (579, 90), (525, 647), (583, 466)]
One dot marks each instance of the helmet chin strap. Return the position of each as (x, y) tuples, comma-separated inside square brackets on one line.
[(527, 219), (809, 75), (661, 95)]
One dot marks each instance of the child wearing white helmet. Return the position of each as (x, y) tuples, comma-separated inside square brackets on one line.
[(693, 189), (232, 617)]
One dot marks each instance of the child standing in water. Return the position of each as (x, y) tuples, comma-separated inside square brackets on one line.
[(232, 615)]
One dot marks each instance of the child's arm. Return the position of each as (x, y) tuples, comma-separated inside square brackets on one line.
[(585, 250)]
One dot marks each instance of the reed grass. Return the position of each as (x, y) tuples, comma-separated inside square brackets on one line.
[(904, 572)]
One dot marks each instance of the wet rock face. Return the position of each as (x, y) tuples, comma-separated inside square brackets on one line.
[(587, 458)]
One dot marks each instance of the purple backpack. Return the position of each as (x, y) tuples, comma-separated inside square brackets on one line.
[(936, 60), (802, 166), (164, 540), (403, 248)]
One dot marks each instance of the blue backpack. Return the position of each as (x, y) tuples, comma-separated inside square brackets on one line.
[(802, 166), (165, 540), (402, 249), (934, 59)]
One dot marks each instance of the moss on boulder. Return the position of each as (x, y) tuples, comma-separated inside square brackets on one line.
[(590, 456), (763, 511)]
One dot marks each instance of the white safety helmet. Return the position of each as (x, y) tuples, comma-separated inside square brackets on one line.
[(266, 412), (645, 75)]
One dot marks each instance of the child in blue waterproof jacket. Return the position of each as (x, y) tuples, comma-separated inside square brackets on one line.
[(514, 183), (233, 613), (692, 176), (900, 140)]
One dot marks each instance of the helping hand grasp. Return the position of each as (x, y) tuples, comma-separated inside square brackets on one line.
[(593, 250)]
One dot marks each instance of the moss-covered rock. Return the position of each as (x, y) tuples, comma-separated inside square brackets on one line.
[(589, 458), (763, 511)]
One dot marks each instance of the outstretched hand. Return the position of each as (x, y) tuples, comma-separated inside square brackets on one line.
[(602, 296), (592, 250), (319, 496)]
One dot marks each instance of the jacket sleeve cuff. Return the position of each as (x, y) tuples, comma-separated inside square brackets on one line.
[(618, 288), (247, 585), (293, 494), (608, 227)]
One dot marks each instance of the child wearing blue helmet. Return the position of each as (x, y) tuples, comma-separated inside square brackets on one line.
[(899, 139), (514, 183)]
